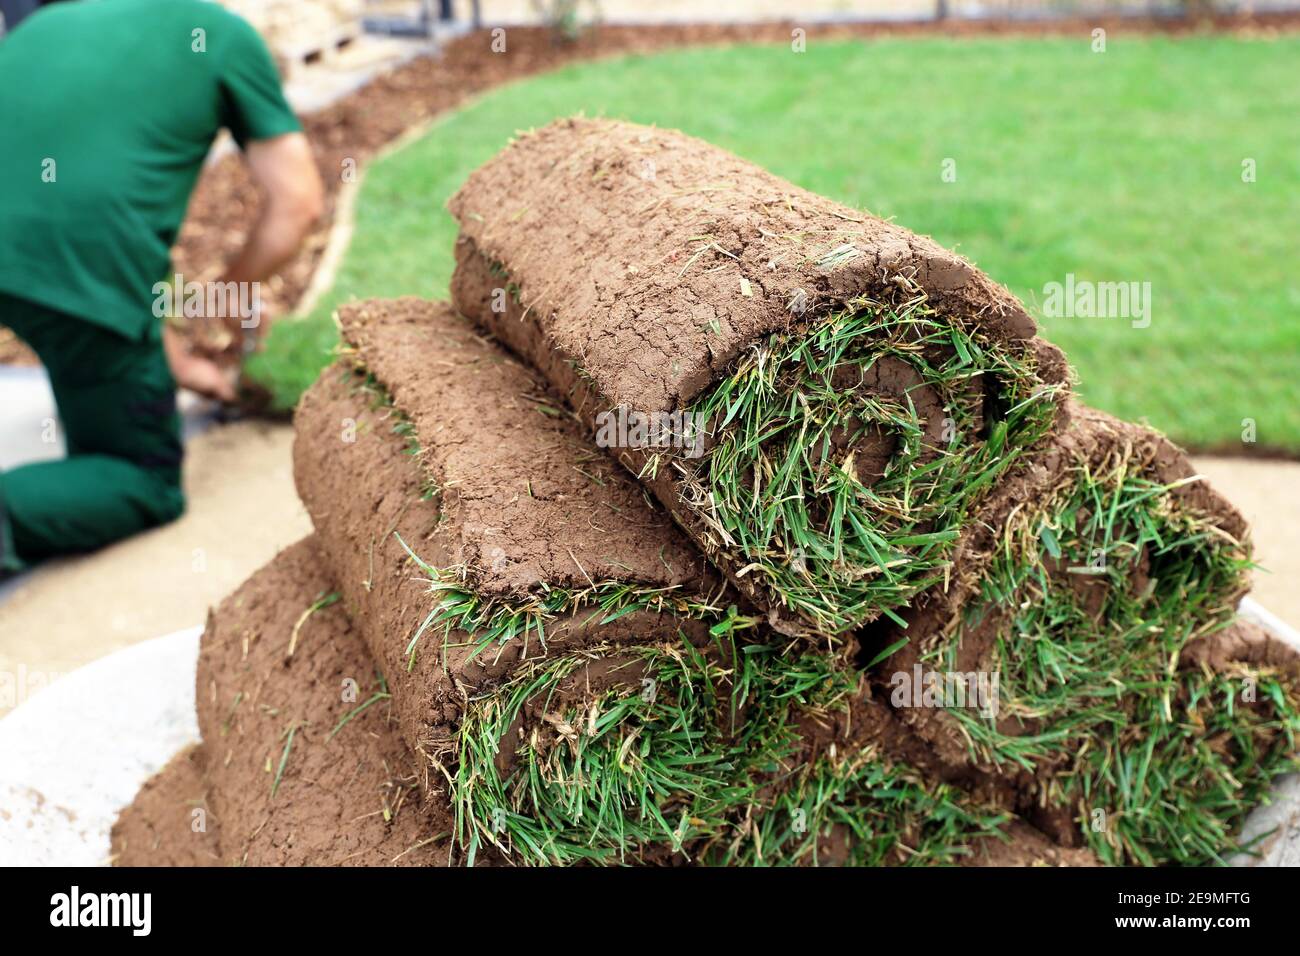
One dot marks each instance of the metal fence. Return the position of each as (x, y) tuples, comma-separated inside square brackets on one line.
[(679, 11)]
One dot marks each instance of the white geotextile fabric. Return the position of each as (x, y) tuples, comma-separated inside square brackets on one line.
[(76, 752)]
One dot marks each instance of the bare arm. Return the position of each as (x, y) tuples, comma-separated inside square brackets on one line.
[(285, 172)]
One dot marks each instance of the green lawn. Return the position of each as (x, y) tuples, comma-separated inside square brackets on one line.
[(1125, 165)]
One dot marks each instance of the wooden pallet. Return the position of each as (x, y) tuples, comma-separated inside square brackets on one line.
[(317, 49), (302, 32)]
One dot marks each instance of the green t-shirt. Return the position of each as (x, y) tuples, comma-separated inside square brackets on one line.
[(107, 111)]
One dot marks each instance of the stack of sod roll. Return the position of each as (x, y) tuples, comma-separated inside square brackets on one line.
[(720, 524)]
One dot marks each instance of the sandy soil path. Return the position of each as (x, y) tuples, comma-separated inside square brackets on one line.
[(1268, 494), (242, 510)]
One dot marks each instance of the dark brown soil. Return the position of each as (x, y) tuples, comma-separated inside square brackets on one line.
[(522, 505), (168, 823), (346, 794), (1027, 846)]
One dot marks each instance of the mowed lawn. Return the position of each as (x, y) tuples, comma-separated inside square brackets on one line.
[(1125, 165)]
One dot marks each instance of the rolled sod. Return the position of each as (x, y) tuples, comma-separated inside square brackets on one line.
[(889, 449), (468, 524), (854, 786), (772, 759), (570, 758), (422, 457), (859, 389), (514, 673), (303, 764), (1131, 712)]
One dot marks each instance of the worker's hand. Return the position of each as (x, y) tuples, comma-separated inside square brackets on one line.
[(209, 378), (208, 361), (293, 200)]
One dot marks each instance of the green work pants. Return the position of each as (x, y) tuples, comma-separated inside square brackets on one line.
[(117, 404)]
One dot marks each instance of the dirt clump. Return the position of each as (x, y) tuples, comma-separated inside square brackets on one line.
[(168, 822)]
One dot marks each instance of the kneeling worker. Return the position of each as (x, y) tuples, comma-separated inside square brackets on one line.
[(108, 110)]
